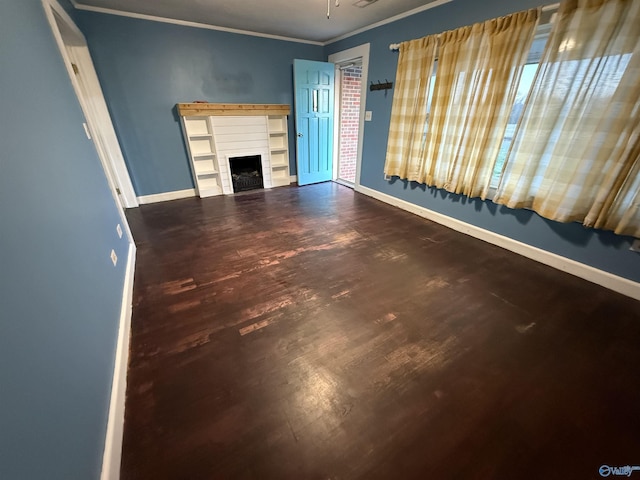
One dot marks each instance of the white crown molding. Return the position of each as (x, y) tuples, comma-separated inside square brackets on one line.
[(206, 26), (184, 23), (386, 21), (587, 272), (429, 6)]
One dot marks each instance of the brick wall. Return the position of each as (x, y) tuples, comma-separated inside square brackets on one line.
[(349, 120)]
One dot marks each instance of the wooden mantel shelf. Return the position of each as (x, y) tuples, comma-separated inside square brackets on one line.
[(231, 109)]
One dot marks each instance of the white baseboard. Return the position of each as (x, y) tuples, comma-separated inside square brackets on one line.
[(345, 183), (293, 178), (115, 424), (608, 280), (163, 197)]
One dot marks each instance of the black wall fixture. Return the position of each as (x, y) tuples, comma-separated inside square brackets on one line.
[(381, 86)]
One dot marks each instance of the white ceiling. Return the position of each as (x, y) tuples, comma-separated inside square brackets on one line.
[(299, 19)]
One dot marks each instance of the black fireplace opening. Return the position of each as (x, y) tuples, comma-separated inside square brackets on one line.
[(246, 173)]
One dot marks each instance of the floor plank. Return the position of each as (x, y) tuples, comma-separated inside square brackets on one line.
[(315, 333)]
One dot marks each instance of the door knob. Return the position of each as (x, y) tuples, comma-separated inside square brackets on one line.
[(300, 135)]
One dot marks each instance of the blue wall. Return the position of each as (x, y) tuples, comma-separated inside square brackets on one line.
[(60, 295), (600, 249), (146, 67)]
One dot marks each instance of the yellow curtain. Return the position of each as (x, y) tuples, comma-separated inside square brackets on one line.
[(479, 68), (576, 151), (409, 107)]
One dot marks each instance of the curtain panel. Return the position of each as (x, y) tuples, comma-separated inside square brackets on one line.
[(479, 68), (409, 107), (576, 151)]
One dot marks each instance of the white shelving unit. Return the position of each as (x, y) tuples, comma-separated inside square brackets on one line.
[(215, 132), (279, 149), (204, 165)]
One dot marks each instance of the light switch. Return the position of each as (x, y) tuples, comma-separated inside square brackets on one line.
[(367, 115)]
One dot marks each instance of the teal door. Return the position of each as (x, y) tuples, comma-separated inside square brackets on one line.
[(313, 86)]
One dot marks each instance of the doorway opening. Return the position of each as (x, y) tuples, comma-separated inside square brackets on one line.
[(351, 73), (350, 83)]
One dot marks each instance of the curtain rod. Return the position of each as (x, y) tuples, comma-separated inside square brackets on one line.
[(394, 47)]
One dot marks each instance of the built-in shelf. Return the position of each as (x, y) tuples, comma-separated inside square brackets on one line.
[(279, 149), (203, 173), (197, 126), (202, 153), (280, 176), (209, 192)]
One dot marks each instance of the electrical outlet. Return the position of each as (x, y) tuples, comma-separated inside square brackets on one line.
[(635, 246), (114, 258), (119, 230), (368, 115)]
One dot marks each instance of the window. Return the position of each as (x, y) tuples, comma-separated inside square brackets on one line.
[(429, 101), (574, 157), (526, 81), (558, 136), (524, 87)]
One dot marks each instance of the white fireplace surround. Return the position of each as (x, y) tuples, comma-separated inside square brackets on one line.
[(214, 133), (241, 137)]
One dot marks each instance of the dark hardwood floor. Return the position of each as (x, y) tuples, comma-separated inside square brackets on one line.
[(315, 333)]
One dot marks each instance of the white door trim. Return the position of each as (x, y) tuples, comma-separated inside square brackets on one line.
[(92, 103), (337, 112), (361, 51)]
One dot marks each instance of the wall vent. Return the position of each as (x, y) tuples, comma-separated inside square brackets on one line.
[(364, 3)]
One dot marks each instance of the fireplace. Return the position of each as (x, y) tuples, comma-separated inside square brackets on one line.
[(246, 173)]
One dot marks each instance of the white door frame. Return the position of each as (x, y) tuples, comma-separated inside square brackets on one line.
[(74, 50), (359, 52)]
